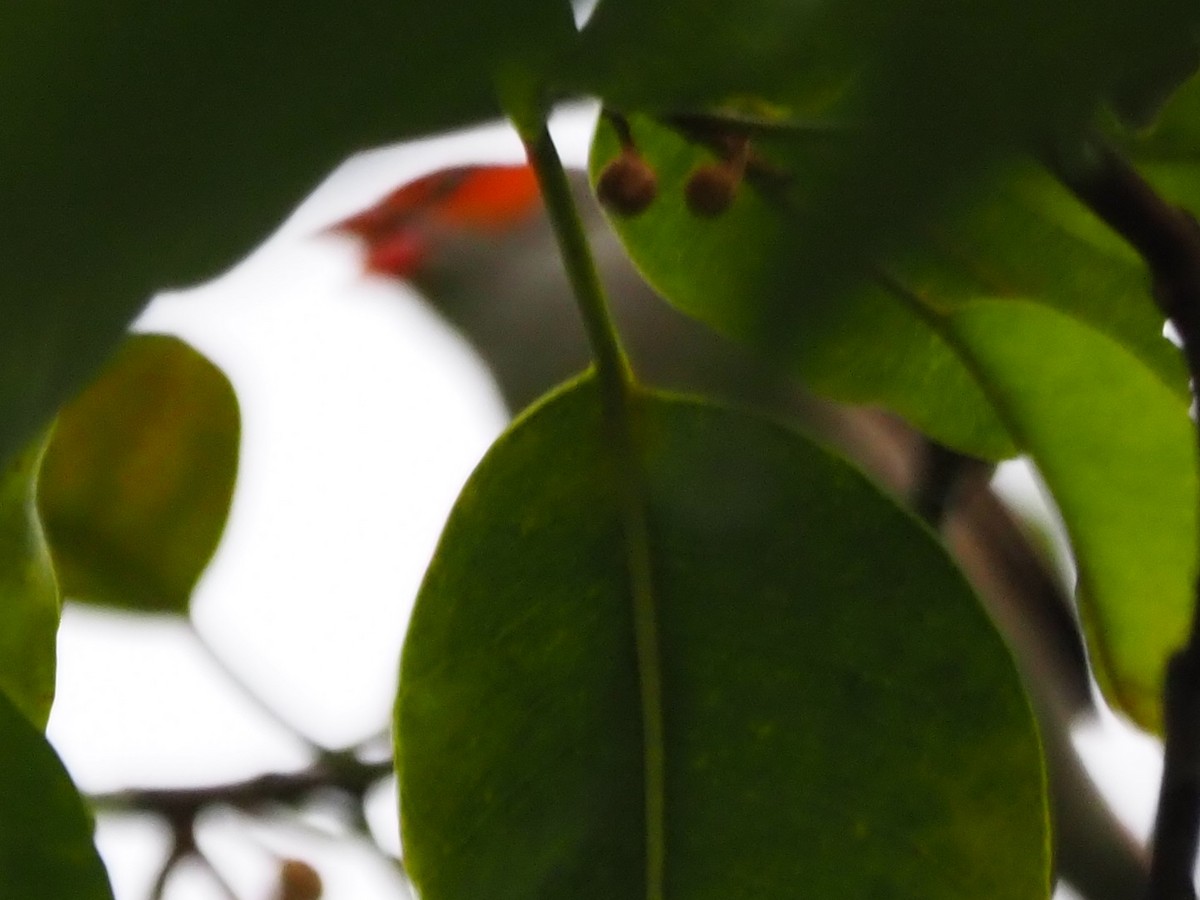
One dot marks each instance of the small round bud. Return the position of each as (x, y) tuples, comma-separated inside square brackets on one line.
[(627, 185), (710, 190), (299, 881)]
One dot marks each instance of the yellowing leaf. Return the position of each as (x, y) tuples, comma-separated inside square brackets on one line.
[(138, 478)]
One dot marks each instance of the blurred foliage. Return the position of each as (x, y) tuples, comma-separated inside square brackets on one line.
[(138, 478), (46, 850), (876, 221)]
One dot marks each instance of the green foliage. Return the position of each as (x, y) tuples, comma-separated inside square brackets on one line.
[(522, 748), (1117, 450), (723, 662), (29, 596), (46, 850), (150, 145), (881, 342), (908, 339), (136, 484)]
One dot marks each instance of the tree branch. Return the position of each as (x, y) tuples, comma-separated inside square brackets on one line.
[(340, 771)]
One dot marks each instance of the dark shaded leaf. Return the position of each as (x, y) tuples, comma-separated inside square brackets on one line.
[(149, 145), (46, 849), (139, 475), (932, 94), (840, 718)]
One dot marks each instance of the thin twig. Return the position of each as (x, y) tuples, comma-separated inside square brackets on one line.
[(332, 771), (247, 691), (159, 889), (215, 876)]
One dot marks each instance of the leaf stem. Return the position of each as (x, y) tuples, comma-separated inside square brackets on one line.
[(618, 392), (1168, 239), (612, 366)]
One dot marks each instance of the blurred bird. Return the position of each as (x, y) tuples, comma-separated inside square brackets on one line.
[(477, 244)]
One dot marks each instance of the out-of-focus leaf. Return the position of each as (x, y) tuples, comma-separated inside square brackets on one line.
[(46, 849), (673, 54), (1021, 236), (838, 716), (1117, 449), (1176, 135), (137, 480), (935, 93), (1169, 156), (138, 477), (148, 145), (29, 597)]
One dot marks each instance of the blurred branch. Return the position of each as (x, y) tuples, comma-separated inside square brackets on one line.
[(341, 771), (184, 847), (1168, 239), (940, 472)]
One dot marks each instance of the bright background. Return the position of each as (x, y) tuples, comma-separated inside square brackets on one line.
[(362, 416)]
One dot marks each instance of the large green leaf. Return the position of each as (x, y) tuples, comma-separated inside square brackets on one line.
[(838, 717), (147, 145), (137, 480), (1022, 235), (46, 849), (29, 597), (1117, 449)]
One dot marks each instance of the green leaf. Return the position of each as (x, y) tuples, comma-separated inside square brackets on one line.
[(30, 603), (1117, 449), (1020, 235), (1175, 137), (840, 718), (46, 849), (149, 145), (1169, 156), (932, 96), (137, 481)]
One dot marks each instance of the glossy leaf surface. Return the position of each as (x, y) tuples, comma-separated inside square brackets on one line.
[(29, 597), (838, 713), (149, 145), (1021, 236), (139, 475), (46, 849), (1117, 449)]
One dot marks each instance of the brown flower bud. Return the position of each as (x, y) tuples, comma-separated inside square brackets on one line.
[(299, 881), (710, 189), (627, 185)]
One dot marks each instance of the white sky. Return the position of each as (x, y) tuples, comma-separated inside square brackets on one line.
[(362, 416)]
